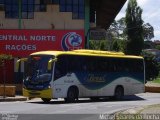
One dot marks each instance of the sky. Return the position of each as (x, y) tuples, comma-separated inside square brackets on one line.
[(151, 14)]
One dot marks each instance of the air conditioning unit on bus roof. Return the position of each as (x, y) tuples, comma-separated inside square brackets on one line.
[(98, 52)]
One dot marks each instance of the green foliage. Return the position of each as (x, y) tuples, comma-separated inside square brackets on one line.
[(157, 47), (4, 57), (118, 45), (117, 28), (157, 80), (152, 67), (115, 46), (134, 29), (99, 45), (148, 31), (149, 45)]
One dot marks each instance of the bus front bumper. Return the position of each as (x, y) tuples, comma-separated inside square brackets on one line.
[(47, 93)]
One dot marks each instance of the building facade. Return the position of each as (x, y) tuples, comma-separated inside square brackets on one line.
[(42, 14), (27, 26)]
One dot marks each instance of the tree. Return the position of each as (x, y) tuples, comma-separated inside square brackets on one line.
[(149, 45), (113, 29), (134, 28), (148, 31), (157, 47), (98, 45), (117, 28), (152, 67), (122, 27), (4, 57), (115, 46)]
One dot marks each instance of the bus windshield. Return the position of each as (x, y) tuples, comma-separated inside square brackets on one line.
[(37, 74)]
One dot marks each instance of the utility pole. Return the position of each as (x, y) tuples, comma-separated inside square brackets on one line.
[(19, 13), (4, 78)]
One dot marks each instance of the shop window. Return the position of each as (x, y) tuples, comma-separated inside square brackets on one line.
[(47, 1), (1, 5), (40, 6), (27, 9), (78, 9), (74, 6), (12, 8), (62, 6), (68, 5), (1, 1), (55, 1)]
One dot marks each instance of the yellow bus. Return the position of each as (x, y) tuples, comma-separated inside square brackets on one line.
[(82, 74)]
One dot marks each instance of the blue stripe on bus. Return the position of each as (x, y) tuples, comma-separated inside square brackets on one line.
[(95, 81)]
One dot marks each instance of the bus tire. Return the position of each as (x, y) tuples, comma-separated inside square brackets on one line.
[(119, 93), (72, 94), (46, 100)]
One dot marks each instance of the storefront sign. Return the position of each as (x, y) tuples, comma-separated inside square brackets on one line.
[(99, 34), (21, 43)]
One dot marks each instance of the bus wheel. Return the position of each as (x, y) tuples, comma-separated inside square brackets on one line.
[(119, 93), (46, 100), (71, 95)]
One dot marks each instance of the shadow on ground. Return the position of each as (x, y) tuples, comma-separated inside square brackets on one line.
[(87, 100)]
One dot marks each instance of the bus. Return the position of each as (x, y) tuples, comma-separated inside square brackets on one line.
[(82, 73)]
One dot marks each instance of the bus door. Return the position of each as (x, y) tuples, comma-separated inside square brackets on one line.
[(60, 77)]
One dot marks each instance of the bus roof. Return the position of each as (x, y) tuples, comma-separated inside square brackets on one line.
[(86, 52)]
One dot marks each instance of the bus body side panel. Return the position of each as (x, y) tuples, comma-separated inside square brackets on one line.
[(130, 85), (62, 85), (97, 87), (98, 76)]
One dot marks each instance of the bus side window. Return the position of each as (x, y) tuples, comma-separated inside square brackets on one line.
[(138, 66), (113, 63), (74, 63), (84, 68), (60, 67), (70, 64), (127, 66)]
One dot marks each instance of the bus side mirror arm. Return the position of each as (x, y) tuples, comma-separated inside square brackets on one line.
[(18, 62), (50, 63)]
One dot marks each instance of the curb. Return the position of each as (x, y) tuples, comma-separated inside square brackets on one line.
[(9, 90), (12, 99), (154, 89)]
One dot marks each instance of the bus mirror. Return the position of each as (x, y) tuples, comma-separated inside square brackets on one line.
[(18, 62), (50, 63), (24, 59)]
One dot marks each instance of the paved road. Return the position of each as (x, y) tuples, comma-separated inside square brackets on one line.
[(84, 109)]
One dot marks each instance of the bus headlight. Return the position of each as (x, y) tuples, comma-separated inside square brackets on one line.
[(49, 86)]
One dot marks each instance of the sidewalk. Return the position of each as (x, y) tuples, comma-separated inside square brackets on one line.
[(152, 87), (151, 112), (10, 99)]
